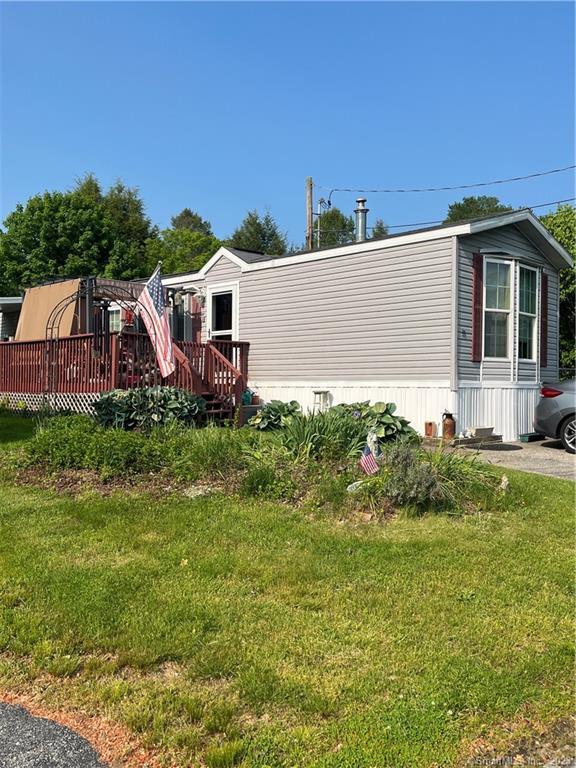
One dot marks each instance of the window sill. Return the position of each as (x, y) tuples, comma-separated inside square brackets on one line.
[(496, 360)]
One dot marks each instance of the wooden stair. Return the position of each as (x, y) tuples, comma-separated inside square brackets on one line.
[(218, 408)]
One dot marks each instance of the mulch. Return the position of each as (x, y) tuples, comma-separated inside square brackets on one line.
[(75, 482), (544, 746), (116, 745)]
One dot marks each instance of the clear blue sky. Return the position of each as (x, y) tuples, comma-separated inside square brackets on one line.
[(226, 107)]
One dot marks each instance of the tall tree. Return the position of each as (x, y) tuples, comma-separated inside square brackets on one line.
[(126, 232), (379, 229), (562, 225), (474, 207), (74, 233), (335, 228), (181, 250), (260, 234), (188, 219)]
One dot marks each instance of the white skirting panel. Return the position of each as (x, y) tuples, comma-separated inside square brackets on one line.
[(80, 402), (416, 401), (509, 408)]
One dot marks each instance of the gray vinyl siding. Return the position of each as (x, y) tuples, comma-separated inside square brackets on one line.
[(224, 271), (512, 242), (550, 373), (380, 315)]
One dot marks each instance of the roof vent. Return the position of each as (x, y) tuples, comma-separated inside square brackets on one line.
[(361, 212)]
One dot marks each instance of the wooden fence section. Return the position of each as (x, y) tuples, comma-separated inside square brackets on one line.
[(93, 363)]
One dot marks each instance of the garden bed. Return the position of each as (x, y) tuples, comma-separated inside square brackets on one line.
[(283, 455), (198, 588), (225, 630)]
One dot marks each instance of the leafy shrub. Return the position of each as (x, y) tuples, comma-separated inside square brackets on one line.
[(408, 480), (275, 415), (148, 407), (423, 480), (381, 419), (62, 442), (77, 442), (340, 431), (114, 452)]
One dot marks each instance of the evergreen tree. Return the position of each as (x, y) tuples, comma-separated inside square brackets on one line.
[(379, 229), (335, 229), (259, 234), (192, 221)]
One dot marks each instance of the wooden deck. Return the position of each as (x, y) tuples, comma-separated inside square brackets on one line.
[(90, 363)]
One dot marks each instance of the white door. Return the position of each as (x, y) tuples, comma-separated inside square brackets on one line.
[(222, 312)]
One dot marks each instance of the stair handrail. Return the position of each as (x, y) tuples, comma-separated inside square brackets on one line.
[(238, 384)]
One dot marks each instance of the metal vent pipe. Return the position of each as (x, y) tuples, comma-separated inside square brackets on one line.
[(361, 212)]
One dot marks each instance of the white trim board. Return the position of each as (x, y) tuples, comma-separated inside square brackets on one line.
[(232, 287), (325, 384), (487, 384)]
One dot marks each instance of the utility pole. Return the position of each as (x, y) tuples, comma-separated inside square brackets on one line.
[(309, 215)]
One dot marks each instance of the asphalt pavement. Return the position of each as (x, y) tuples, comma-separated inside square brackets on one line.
[(33, 742), (544, 457)]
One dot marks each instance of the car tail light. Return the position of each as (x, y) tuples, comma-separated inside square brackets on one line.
[(550, 392)]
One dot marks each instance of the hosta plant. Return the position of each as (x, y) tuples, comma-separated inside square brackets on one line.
[(148, 407), (381, 418), (275, 415)]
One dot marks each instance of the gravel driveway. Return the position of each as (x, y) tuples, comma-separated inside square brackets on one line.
[(544, 457), (33, 742)]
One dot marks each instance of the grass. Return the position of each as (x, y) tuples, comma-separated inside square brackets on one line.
[(249, 634), (15, 430)]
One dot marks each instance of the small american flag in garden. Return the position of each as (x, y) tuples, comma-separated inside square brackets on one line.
[(155, 319), (368, 462)]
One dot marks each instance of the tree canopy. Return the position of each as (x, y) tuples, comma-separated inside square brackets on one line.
[(192, 221), (75, 233), (474, 207), (562, 225), (259, 233), (335, 228), (379, 229), (181, 250)]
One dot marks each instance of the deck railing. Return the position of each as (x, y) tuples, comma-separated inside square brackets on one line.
[(89, 363), (70, 365), (22, 366)]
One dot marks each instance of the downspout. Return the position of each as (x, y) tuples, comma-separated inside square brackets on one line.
[(454, 404)]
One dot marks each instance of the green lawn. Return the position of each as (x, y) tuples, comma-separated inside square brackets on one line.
[(14, 430), (248, 633)]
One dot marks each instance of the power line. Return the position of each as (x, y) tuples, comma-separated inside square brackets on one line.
[(441, 221), (459, 186), (524, 208)]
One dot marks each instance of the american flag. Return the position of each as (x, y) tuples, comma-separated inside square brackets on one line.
[(155, 319), (368, 462)]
